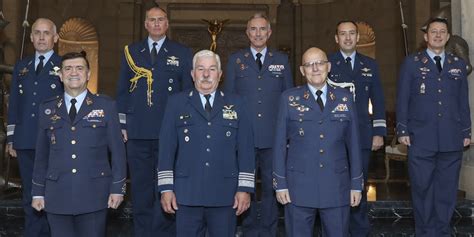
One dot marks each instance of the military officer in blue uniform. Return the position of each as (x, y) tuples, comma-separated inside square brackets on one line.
[(206, 167), (260, 75), (34, 79), (317, 166), (433, 119), (151, 70), (349, 66), (73, 180)]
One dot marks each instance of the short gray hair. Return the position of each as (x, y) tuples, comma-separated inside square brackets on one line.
[(206, 53), (259, 15)]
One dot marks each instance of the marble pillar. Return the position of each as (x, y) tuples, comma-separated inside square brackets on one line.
[(463, 17)]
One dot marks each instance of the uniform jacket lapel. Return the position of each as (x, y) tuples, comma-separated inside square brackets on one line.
[(195, 101), (330, 103), (218, 104), (249, 60), (86, 107), (144, 52), (268, 59)]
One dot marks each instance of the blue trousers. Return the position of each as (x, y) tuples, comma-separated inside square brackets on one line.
[(299, 221), (434, 178), (36, 223), (266, 225), (84, 225), (149, 219), (359, 221), (198, 221)]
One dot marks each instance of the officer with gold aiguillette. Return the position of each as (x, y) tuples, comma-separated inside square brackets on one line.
[(151, 70)]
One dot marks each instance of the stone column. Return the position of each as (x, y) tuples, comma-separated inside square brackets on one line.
[(463, 8)]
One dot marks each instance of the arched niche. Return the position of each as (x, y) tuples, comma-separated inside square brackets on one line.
[(78, 34), (366, 44)]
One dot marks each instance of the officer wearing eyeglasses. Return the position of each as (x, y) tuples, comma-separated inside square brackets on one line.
[(316, 162)]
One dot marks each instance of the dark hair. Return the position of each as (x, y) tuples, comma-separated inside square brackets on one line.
[(73, 55), (437, 19), (346, 21)]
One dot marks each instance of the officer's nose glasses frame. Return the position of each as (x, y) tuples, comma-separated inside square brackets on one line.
[(318, 64)]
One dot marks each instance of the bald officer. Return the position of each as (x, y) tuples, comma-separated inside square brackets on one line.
[(206, 166), (433, 119), (316, 163), (34, 79), (73, 179), (260, 74)]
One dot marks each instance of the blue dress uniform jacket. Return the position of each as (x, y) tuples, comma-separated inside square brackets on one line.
[(317, 154), (365, 77), (260, 88), (433, 107), (171, 74), (27, 91), (206, 161), (72, 169)]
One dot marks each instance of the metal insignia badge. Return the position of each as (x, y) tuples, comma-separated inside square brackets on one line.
[(297, 97), (238, 61), (173, 61), (53, 86), (229, 113), (424, 60), (88, 101), (21, 91), (186, 138), (306, 95), (47, 111), (422, 88), (246, 55), (344, 99), (23, 71), (170, 80), (332, 96), (55, 118), (291, 98), (270, 54), (185, 130), (228, 133), (53, 139), (60, 102), (301, 132), (242, 66)]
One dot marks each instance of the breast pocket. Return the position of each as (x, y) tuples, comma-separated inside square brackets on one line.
[(94, 133)]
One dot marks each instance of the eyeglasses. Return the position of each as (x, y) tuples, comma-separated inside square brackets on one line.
[(319, 64)]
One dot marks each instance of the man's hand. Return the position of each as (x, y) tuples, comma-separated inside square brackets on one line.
[(241, 202), (283, 197), (467, 141), (38, 203), (124, 135), (10, 150), (377, 142), (168, 202), (115, 200), (405, 140), (355, 198)]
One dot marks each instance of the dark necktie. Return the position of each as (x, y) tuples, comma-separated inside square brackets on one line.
[(72, 110), (319, 100), (348, 63), (259, 62), (438, 63), (154, 53), (40, 65), (208, 106)]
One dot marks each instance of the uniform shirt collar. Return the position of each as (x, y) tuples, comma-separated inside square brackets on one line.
[(263, 52), (80, 98), (352, 56), (46, 55), (432, 55), (211, 100), (158, 47), (323, 95)]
